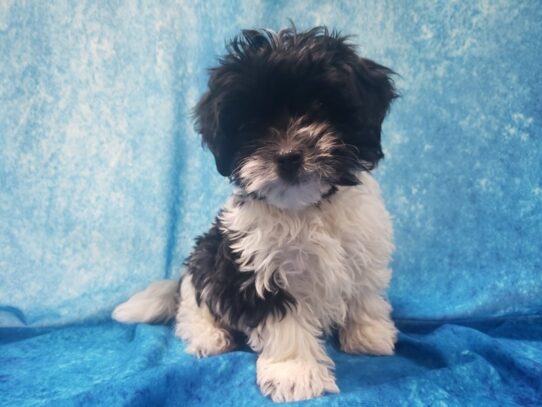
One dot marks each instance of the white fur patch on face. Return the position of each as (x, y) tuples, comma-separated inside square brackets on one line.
[(285, 196), (258, 172), (265, 183)]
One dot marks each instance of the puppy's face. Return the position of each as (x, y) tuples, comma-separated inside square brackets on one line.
[(290, 116)]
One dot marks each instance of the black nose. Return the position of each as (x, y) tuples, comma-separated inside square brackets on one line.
[(290, 158), (288, 163)]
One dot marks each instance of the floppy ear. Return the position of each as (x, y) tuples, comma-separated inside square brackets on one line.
[(375, 91), (221, 109), (376, 82), (212, 120)]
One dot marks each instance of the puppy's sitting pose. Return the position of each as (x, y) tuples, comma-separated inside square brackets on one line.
[(302, 246)]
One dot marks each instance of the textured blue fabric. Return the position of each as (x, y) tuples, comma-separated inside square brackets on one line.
[(103, 186), (497, 363)]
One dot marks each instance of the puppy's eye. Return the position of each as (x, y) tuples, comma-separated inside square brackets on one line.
[(247, 125)]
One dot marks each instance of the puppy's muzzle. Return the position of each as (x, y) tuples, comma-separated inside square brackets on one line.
[(289, 164)]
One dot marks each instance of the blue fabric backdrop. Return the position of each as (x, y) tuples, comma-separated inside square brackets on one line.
[(103, 186)]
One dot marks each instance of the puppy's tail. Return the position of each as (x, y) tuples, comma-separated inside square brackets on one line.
[(156, 304)]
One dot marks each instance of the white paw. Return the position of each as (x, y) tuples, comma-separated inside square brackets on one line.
[(294, 379), (212, 341), (374, 337)]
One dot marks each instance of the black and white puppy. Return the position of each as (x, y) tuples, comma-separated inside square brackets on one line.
[(302, 246)]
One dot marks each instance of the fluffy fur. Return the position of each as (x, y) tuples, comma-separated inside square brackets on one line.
[(302, 246)]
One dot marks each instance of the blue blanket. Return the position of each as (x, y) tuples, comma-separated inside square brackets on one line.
[(486, 363), (104, 185)]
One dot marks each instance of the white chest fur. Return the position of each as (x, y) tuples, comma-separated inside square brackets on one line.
[(323, 255)]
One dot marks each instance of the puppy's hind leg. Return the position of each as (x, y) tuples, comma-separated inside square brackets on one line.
[(369, 328), (197, 327)]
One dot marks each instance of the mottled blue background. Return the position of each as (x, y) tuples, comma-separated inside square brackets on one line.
[(103, 182)]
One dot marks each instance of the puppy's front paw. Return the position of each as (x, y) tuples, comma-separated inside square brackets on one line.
[(294, 379), (374, 337)]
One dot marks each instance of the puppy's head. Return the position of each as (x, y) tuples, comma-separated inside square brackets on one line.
[(289, 116)]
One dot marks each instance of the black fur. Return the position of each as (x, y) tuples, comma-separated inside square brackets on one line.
[(230, 294), (266, 78)]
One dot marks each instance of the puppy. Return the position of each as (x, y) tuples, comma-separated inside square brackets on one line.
[(302, 246)]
